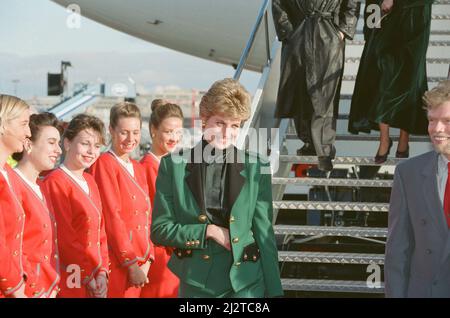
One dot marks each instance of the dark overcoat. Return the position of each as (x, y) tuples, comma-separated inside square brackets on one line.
[(312, 54), (392, 75)]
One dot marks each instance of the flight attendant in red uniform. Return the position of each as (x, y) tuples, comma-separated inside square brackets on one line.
[(40, 249), (14, 129), (74, 199), (126, 204), (166, 124)]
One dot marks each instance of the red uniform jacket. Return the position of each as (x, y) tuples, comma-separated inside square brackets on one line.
[(151, 166), (162, 282), (127, 209), (40, 249), (12, 220), (81, 229)]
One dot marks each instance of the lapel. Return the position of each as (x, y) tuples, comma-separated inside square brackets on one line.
[(88, 196), (431, 195), (194, 176), (134, 179), (446, 252), (236, 177)]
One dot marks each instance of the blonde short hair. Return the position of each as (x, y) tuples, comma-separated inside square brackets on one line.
[(124, 110), (438, 95), (11, 107), (226, 97)]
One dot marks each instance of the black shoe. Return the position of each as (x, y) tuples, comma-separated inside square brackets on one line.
[(379, 159), (325, 163), (307, 150), (402, 154)]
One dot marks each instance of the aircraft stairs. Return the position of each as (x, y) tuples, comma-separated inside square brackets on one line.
[(331, 228), (81, 99)]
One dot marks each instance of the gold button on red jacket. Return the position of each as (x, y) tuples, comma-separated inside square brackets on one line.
[(39, 247), (11, 229), (128, 232), (81, 227), (162, 282)]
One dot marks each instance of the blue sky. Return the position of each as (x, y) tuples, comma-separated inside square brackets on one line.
[(33, 43)]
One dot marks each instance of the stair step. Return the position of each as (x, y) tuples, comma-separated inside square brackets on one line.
[(343, 117), (430, 44), (440, 16), (349, 137), (331, 206), (359, 161), (433, 32), (330, 258), (319, 285), (429, 60), (349, 231), (333, 182), (433, 16), (431, 79)]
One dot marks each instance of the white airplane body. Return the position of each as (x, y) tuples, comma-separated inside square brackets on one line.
[(216, 30)]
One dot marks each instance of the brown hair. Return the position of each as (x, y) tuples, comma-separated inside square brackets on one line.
[(162, 110), (227, 97), (124, 110), (437, 96), (81, 122), (37, 122)]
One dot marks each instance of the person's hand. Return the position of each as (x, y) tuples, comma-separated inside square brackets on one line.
[(145, 268), (341, 35), (387, 5), (136, 277), (92, 286), (102, 285), (219, 234), (20, 293)]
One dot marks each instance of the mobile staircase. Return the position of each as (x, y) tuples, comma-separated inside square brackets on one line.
[(331, 228)]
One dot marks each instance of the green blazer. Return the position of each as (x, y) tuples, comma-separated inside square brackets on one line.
[(179, 220)]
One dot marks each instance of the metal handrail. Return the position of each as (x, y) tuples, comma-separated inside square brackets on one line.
[(77, 93), (246, 53)]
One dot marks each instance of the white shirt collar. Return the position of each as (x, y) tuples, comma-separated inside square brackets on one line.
[(154, 156), (120, 159), (81, 182), (32, 185), (127, 165), (73, 175), (5, 175)]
